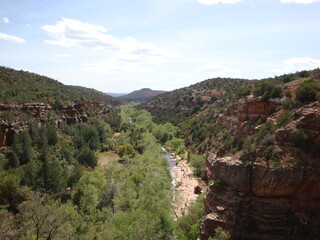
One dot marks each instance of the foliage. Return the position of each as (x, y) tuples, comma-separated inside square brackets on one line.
[(284, 118), (267, 90), (188, 226), (22, 86), (175, 145), (198, 163), (126, 150), (308, 91), (87, 157), (220, 234), (48, 220), (10, 191)]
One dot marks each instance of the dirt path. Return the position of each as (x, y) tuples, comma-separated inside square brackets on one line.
[(184, 193)]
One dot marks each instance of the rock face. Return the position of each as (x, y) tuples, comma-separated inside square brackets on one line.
[(257, 202), (72, 114), (8, 131), (250, 109), (254, 198)]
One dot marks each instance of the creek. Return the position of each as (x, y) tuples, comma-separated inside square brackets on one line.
[(172, 164)]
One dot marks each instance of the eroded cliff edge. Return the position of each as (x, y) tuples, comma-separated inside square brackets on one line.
[(273, 190)]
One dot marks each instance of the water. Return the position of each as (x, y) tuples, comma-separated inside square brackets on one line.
[(171, 165)]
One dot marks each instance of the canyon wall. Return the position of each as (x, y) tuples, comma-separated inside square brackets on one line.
[(256, 197)]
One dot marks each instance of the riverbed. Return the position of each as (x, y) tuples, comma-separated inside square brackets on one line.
[(183, 182)]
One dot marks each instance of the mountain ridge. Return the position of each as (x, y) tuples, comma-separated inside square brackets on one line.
[(141, 95)]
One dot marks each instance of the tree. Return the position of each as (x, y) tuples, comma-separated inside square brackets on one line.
[(10, 191), (51, 133), (48, 220), (126, 150), (198, 163), (307, 91), (22, 146), (53, 178), (220, 234), (7, 226), (87, 157), (284, 118)]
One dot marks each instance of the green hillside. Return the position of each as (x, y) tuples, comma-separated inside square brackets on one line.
[(22, 86)]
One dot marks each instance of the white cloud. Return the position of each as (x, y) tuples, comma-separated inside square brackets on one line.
[(219, 71), (298, 64), (64, 55), (300, 1), (126, 55), (211, 2), (11, 38), (5, 20), (70, 33)]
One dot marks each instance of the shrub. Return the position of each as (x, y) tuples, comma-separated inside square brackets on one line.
[(307, 91), (220, 234), (284, 118), (198, 163)]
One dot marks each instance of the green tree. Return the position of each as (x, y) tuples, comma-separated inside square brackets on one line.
[(126, 150), (22, 146), (220, 234), (53, 177), (10, 191), (87, 157), (198, 163), (51, 133), (284, 118), (48, 220), (307, 91)]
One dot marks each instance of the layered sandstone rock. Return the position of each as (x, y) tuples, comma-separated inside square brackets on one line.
[(249, 110), (256, 198), (254, 201)]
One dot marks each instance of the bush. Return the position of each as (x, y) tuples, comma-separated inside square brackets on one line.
[(307, 91), (198, 163), (284, 118), (267, 128), (267, 90), (126, 150), (220, 234)]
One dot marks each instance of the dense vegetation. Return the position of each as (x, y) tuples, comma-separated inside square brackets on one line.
[(53, 188), (21, 86)]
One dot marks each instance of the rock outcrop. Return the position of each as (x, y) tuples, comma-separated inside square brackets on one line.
[(73, 113), (255, 197)]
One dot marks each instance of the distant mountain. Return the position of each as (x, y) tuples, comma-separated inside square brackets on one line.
[(22, 86), (140, 95), (116, 94)]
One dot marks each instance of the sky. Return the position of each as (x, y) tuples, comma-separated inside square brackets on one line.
[(125, 45)]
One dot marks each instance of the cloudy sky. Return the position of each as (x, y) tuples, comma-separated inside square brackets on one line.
[(124, 45)]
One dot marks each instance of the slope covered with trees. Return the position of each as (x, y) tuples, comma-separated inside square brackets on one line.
[(21, 86)]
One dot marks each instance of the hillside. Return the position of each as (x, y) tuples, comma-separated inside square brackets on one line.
[(140, 95), (180, 104), (22, 86)]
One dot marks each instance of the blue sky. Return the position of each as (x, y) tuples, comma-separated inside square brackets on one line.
[(124, 45)]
